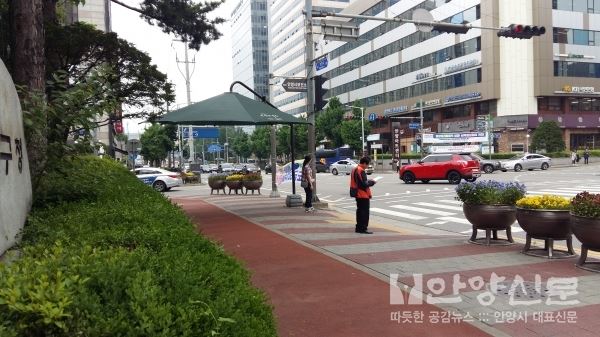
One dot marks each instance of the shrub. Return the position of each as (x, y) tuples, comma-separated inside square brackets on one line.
[(252, 177), (235, 177), (216, 177), (549, 202), (586, 204), (124, 261), (490, 192)]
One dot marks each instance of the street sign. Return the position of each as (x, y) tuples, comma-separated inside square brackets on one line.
[(376, 146), (322, 63), (414, 125), (294, 84), (372, 116), (214, 148), (200, 132)]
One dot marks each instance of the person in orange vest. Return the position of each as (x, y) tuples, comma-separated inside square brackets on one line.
[(360, 189)]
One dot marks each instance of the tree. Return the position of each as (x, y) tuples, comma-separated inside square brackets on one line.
[(328, 123), (26, 40), (261, 142), (156, 144), (241, 145), (352, 130), (548, 136), (300, 140)]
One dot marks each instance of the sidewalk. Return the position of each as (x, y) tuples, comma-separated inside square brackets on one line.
[(325, 280)]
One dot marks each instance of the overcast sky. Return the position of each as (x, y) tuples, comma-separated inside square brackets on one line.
[(212, 73)]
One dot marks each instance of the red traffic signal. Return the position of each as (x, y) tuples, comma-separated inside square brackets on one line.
[(517, 31)]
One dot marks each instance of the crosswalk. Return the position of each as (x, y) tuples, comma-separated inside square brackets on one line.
[(440, 210)]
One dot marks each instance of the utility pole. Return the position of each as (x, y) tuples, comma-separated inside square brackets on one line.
[(422, 126), (188, 87), (310, 92)]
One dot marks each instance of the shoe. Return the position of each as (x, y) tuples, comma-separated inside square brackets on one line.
[(310, 210), (363, 232)]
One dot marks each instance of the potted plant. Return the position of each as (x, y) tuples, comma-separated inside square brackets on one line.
[(545, 217), (216, 182), (490, 206), (585, 224), (252, 181), (234, 182)]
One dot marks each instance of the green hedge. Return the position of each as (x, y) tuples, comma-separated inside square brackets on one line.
[(104, 255)]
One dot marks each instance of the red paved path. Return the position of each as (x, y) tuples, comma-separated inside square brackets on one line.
[(313, 295)]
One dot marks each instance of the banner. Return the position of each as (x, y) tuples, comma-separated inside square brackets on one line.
[(284, 173)]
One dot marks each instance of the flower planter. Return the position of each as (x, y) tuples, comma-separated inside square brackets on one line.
[(491, 219), (587, 230), (547, 225), (234, 185), (216, 185), (252, 185)]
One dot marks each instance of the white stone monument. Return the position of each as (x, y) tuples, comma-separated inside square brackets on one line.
[(15, 181)]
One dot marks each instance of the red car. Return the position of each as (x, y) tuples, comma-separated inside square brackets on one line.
[(452, 167)]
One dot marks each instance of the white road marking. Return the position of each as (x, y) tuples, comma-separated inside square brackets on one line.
[(453, 219), (436, 223), (398, 214), (422, 210), (454, 208)]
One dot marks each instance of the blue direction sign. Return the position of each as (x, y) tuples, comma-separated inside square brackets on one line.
[(214, 148), (372, 116), (201, 132), (414, 125), (321, 63)]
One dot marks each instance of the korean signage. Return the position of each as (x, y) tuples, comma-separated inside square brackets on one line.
[(321, 63), (294, 84), (396, 141), (394, 110), (461, 66), (568, 89), (458, 137), (464, 97), (453, 148), (15, 181), (427, 104)]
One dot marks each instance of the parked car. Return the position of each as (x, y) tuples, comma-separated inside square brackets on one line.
[(160, 179), (346, 166), (452, 167), (227, 168), (205, 168), (487, 165), (528, 161)]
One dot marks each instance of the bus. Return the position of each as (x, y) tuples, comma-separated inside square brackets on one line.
[(330, 156)]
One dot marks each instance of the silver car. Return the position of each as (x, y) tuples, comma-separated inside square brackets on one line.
[(346, 166), (528, 161)]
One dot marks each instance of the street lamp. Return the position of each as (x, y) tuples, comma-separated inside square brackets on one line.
[(362, 125), (527, 142)]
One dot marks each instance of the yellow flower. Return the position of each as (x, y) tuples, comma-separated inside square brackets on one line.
[(546, 201)]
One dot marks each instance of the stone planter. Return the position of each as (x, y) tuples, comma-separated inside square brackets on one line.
[(587, 230), (253, 185), (547, 225), (216, 185), (491, 219), (234, 185)]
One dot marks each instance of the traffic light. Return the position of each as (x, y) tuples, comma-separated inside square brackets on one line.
[(516, 31), (450, 28), (320, 92)]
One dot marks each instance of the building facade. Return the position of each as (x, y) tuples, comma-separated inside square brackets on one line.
[(287, 45), (456, 82), (250, 45)]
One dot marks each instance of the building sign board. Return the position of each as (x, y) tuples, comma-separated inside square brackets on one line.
[(453, 148), (461, 66), (461, 98), (458, 137), (398, 109), (568, 89), (396, 141), (427, 104)]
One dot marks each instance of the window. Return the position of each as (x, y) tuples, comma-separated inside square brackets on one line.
[(517, 147)]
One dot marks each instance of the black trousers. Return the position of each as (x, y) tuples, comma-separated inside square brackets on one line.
[(362, 214), (309, 197)]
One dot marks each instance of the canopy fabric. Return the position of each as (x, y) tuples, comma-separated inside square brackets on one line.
[(229, 108)]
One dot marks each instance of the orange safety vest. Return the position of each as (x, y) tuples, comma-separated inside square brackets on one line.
[(362, 193)]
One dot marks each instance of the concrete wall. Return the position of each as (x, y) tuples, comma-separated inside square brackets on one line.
[(15, 182)]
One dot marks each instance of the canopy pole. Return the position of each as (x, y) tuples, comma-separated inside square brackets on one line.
[(293, 158), (262, 98)]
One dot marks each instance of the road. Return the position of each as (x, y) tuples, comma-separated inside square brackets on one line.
[(433, 204)]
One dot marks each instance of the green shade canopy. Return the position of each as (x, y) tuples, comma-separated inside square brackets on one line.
[(229, 108)]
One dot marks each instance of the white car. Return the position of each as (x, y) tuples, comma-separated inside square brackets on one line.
[(528, 161), (346, 166), (161, 180)]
